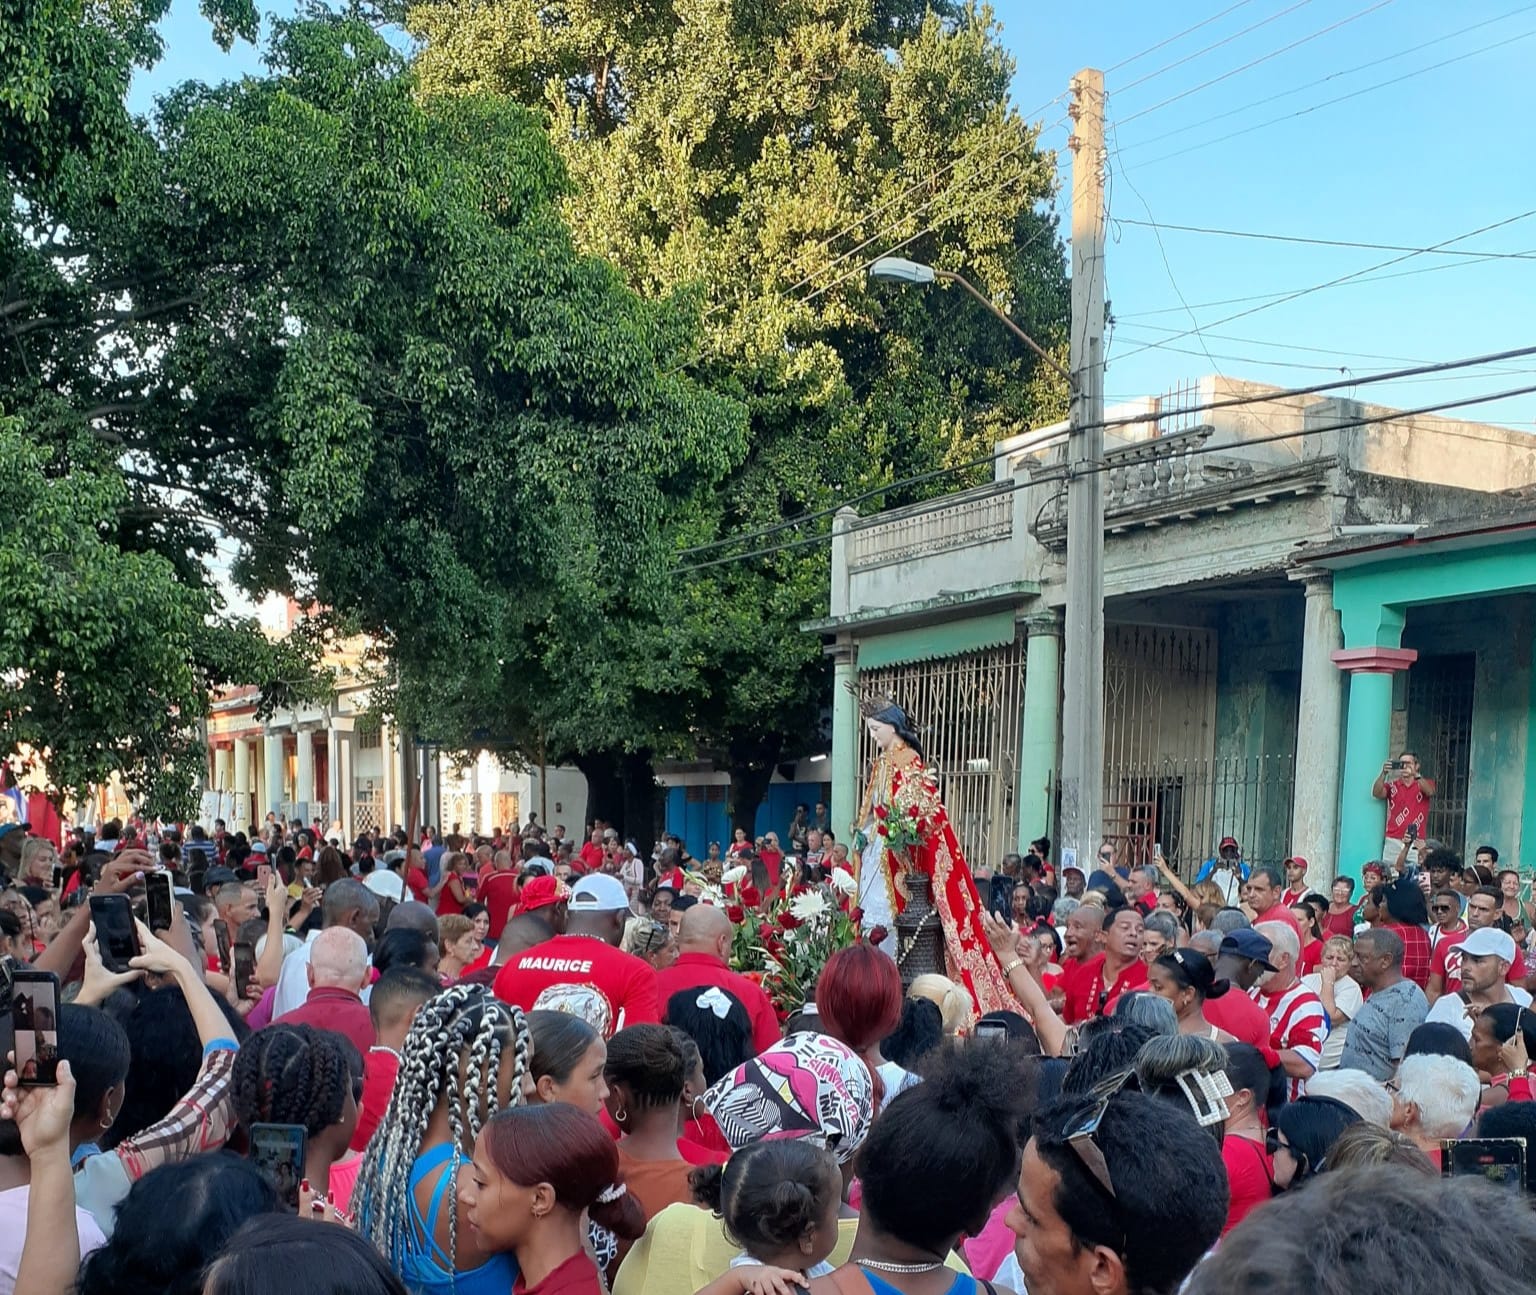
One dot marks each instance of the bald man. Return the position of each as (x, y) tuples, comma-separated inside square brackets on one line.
[(337, 970), (704, 944)]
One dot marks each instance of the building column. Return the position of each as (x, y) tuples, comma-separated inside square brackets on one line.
[(272, 789), (1315, 806), (845, 740), (389, 771), (1040, 734), (332, 776), (345, 782), (240, 785), (223, 769), (304, 779), (1367, 746)]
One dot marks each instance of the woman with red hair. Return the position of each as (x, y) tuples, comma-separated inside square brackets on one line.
[(536, 1169), (858, 1000)]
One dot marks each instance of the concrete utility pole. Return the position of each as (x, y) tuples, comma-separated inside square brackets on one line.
[(1082, 773)]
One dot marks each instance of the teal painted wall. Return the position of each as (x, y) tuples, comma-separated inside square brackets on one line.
[(1500, 632), (1258, 690)]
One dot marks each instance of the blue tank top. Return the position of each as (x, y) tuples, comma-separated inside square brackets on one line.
[(424, 1268), (962, 1285)]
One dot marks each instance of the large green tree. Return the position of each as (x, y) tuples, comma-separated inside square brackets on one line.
[(760, 154), (352, 332)]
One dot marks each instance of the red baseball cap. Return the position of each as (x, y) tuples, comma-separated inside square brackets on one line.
[(1226, 841), (542, 892), (1298, 861)]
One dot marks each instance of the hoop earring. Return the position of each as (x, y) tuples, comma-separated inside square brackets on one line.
[(620, 1115)]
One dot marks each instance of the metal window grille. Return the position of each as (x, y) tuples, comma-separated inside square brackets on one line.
[(1440, 734), (968, 710)]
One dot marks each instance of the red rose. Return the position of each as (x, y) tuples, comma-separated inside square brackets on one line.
[(750, 897), (883, 830), (856, 916), (765, 932), (877, 936), (736, 913), (914, 812), (788, 920), (880, 811)]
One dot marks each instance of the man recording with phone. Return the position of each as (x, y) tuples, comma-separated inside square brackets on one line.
[(1407, 793)]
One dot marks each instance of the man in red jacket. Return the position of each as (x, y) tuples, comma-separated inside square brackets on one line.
[(704, 944)]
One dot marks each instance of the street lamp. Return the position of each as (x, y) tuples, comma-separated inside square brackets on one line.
[(897, 269)]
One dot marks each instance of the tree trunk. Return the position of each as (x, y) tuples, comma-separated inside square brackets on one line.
[(752, 761), (638, 775), (605, 795)]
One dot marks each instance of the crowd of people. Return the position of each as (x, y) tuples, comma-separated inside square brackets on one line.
[(455, 1064)]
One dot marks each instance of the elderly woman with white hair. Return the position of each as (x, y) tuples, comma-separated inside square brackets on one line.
[(1362, 1093), (1434, 1098)]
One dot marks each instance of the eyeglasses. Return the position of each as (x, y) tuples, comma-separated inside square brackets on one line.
[(1083, 1137)]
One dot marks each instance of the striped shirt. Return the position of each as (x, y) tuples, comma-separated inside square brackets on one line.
[(1297, 1022)]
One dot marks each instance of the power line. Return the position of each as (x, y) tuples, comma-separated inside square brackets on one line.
[(1225, 40), (1297, 346), (1343, 98), (1323, 80), (1060, 473), (1331, 283), (1228, 402), (1252, 63), (1169, 40), (1329, 242)]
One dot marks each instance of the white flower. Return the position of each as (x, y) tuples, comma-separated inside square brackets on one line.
[(843, 880), (809, 906), (732, 875), (771, 966)]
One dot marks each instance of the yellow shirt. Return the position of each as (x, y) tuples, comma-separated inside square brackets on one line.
[(685, 1248)]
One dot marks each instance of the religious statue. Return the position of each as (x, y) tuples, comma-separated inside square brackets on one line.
[(905, 844)]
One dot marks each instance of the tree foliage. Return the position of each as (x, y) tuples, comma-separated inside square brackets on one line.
[(760, 155), (352, 332)]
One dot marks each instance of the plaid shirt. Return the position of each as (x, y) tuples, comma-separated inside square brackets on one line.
[(1418, 954), (201, 1121)]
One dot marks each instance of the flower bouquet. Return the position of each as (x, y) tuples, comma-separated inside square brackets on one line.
[(902, 831)]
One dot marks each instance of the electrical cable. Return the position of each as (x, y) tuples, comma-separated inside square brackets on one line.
[(1169, 40), (1343, 98), (1062, 472), (1225, 40), (1252, 63), (1328, 242), (1323, 80), (1345, 278), (1229, 402)]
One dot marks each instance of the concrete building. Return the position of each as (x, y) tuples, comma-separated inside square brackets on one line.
[(332, 763), (1224, 702)]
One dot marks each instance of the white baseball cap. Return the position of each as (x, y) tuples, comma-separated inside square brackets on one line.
[(1488, 942), (598, 893)]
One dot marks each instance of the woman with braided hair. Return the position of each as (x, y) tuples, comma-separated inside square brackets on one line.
[(296, 1074), (466, 1057)]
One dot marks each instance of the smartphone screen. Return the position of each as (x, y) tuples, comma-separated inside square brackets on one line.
[(221, 934), (278, 1151), (160, 900), (991, 1030), (244, 966), (115, 934), (1500, 1161), (263, 877), (35, 1027)]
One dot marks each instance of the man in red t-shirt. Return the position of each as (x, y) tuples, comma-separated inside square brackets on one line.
[(704, 943), (1239, 958), (1295, 881), (1262, 894), (1101, 981), (392, 1005), (1407, 794), (497, 889), (592, 851), (583, 972)]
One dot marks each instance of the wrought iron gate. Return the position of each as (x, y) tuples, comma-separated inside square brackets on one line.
[(1440, 734), (968, 710)]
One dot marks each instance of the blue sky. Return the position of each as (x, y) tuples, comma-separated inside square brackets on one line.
[(1441, 153)]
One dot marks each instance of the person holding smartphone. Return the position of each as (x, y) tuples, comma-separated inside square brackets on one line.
[(1407, 793)]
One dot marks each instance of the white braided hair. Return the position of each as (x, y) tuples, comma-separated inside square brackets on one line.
[(465, 1025)]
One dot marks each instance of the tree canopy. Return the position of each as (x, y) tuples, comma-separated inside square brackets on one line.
[(350, 330), (760, 155)]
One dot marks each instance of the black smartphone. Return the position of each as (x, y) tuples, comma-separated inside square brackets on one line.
[(116, 936), (58, 875), (35, 1027), (160, 900), (1500, 1161), (991, 1031), (244, 968), (278, 1151), (221, 934)]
